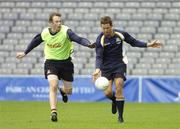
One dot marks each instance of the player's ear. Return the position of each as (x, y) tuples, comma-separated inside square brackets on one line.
[(50, 23)]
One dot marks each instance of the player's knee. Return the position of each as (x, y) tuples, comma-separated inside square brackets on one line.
[(53, 87), (108, 93), (53, 82), (119, 88), (68, 90)]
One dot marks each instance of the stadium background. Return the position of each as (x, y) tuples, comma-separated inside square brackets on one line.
[(153, 74), (144, 19)]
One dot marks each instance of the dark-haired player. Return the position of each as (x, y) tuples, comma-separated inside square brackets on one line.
[(110, 61)]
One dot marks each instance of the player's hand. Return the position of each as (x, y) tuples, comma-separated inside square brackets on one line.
[(92, 45), (20, 55), (96, 74), (155, 44)]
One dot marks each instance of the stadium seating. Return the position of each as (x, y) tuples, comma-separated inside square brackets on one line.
[(21, 20)]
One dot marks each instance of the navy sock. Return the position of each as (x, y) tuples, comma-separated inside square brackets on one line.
[(113, 98), (120, 107)]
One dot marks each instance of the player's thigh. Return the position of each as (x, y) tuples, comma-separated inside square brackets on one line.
[(53, 80)]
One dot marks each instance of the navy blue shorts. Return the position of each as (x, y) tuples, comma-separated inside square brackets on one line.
[(115, 72), (64, 69)]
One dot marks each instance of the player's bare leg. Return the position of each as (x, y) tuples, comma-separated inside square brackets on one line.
[(66, 90), (119, 82), (53, 83), (111, 95)]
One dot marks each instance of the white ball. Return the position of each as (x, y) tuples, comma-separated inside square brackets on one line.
[(101, 83)]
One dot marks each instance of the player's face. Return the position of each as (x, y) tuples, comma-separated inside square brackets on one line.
[(56, 23), (107, 29)]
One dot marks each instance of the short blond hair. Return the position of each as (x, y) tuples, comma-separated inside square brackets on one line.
[(52, 15)]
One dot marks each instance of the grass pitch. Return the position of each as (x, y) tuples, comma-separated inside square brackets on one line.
[(95, 115)]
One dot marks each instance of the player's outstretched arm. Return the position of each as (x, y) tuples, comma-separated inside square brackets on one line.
[(80, 40), (155, 44), (34, 43)]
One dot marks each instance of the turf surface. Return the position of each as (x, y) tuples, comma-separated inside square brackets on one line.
[(73, 115)]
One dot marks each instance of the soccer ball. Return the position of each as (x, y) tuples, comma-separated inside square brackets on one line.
[(101, 83)]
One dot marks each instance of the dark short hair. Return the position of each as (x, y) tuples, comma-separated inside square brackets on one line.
[(52, 15), (106, 20)]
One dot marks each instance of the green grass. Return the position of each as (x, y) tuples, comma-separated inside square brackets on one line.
[(36, 115)]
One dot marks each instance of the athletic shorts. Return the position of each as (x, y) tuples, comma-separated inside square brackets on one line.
[(64, 69), (114, 72)]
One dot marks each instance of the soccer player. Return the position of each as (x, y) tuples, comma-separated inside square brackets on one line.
[(58, 66), (110, 62)]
